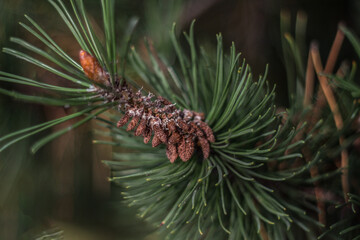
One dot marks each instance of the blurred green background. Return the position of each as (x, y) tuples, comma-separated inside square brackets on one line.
[(62, 191)]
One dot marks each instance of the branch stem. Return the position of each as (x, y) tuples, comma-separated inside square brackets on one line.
[(330, 98), (309, 81)]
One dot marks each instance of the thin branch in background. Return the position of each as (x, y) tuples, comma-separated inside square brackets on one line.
[(309, 88), (330, 98), (334, 52), (329, 67), (264, 235), (309, 81), (314, 172)]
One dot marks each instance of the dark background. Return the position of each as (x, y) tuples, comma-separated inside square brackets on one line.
[(62, 190)]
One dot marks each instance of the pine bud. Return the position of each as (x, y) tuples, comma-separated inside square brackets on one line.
[(135, 120), (142, 126), (123, 120), (159, 132), (181, 149), (92, 69), (174, 138), (147, 135), (186, 148), (205, 147), (190, 148), (171, 152), (155, 141), (171, 126), (182, 124), (208, 131)]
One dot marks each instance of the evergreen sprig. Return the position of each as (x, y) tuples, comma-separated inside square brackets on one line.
[(255, 183), (240, 183), (82, 92)]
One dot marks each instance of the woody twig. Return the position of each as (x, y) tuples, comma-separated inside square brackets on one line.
[(330, 98), (314, 172), (324, 93)]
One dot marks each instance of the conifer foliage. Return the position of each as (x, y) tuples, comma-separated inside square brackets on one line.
[(248, 167)]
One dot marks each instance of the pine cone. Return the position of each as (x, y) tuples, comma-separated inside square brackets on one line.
[(177, 129), (171, 152)]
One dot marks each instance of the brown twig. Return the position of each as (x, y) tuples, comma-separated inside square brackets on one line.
[(329, 95), (264, 235), (309, 88), (309, 81), (314, 172), (330, 98), (334, 51), (329, 67)]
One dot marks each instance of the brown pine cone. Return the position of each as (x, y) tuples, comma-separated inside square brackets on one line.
[(171, 152), (205, 146)]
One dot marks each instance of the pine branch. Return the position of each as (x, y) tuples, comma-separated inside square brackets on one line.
[(249, 180), (83, 93), (247, 141), (178, 129)]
